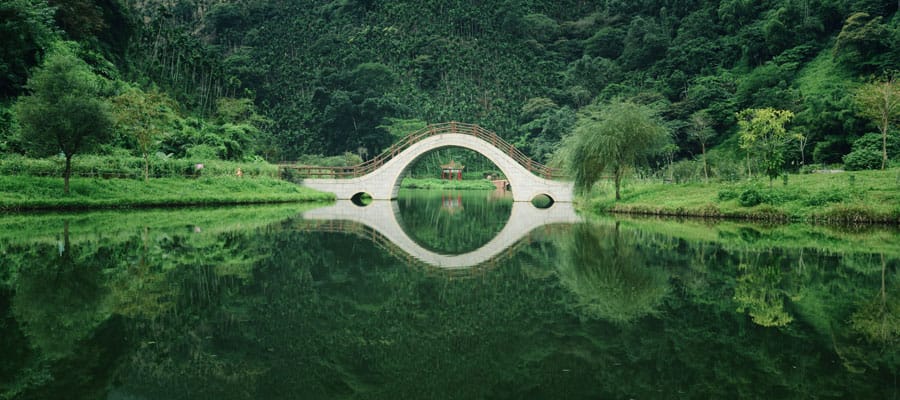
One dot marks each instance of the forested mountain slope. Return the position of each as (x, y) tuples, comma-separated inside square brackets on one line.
[(331, 76)]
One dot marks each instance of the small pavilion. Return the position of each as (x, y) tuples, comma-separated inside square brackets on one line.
[(452, 170)]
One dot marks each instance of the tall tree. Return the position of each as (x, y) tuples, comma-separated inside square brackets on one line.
[(762, 131), (701, 130), (618, 136), (65, 112), (145, 117), (880, 102)]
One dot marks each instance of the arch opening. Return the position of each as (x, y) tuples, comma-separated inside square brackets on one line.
[(361, 199), (542, 201), (481, 170)]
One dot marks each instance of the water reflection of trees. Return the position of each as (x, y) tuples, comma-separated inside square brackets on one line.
[(254, 313), (463, 224), (610, 275)]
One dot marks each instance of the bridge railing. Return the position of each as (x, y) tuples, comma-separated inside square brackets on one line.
[(311, 171)]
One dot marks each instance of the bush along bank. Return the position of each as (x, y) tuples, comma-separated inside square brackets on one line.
[(849, 197)]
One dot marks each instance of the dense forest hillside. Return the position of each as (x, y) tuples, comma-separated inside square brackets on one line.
[(281, 79)]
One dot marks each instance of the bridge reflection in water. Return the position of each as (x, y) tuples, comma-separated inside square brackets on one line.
[(381, 217)]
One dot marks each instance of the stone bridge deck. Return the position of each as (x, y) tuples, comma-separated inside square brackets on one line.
[(381, 176)]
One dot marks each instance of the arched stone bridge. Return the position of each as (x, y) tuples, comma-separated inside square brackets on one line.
[(381, 216), (380, 177)]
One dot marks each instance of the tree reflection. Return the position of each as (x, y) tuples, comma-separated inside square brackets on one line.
[(611, 278), (60, 297)]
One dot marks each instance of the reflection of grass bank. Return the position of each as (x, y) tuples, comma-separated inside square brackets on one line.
[(434, 183), (862, 196), (96, 225), (36, 193), (754, 236)]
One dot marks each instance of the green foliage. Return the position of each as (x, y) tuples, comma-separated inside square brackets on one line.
[(867, 152), (145, 117), (880, 102), (612, 139), (862, 41), (750, 197), (92, 166), (65, 113), (26, 32), (763, 134)]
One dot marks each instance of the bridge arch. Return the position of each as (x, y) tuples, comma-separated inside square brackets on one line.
[(382, 176), (382, 218)]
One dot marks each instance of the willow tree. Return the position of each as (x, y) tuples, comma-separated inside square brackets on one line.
[(880, 102), (65, 112), (611, 139)]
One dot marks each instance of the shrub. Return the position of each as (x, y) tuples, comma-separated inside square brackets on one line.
[(727, 194), (823, 198), (750, 197), (867, 152)]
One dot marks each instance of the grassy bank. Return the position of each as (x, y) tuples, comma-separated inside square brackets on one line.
[(860, 196), (434, 183), (20, 193)]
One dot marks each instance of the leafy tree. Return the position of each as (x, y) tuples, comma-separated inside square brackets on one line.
[(861, 41), (701, 130), (26, 31), (145, 117), (65, 111), (613, 138), (880, 102), (762, 131)]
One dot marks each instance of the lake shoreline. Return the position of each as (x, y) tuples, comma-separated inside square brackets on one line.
[(871, 197)]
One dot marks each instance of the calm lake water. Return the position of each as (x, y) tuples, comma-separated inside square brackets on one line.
[(289, 302)]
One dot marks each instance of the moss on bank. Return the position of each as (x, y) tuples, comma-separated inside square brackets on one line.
[(861, 196), (21, 193)]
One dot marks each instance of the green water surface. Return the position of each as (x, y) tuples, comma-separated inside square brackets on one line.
[(256, 303)]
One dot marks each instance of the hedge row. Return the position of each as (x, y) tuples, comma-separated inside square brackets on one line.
[(130, 167)]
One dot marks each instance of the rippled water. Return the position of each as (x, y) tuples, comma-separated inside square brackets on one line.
[(270, 302)]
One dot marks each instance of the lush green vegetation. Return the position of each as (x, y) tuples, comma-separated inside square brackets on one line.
[(336, 82), (30, 193), (861, 196)]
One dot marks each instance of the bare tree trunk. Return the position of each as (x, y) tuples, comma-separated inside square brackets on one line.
[(884, 147), (67, 173), (146, 167), (705, 168), (617, 178)]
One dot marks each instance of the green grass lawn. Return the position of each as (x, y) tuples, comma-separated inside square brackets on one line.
[(40, 193), (435, 183), (859, 196)]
